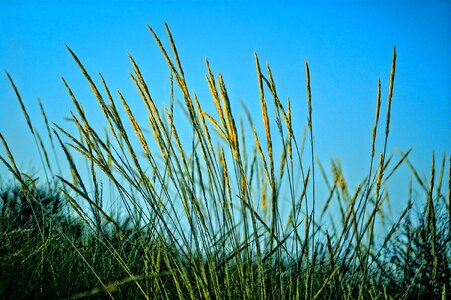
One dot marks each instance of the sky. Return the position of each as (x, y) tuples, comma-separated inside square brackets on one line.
[(348, 46)]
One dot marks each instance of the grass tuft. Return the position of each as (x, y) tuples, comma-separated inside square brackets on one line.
[(178, 207)]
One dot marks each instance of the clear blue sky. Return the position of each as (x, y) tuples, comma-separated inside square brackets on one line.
[(348, 46)]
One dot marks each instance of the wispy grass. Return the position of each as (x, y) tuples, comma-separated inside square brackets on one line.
[(217, 216)]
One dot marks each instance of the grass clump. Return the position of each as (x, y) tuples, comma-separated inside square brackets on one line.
[(212, 217)]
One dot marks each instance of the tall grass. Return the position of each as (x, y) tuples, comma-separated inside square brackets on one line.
[(212, 217)]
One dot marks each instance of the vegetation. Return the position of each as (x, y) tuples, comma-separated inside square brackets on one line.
[(156, 215)]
